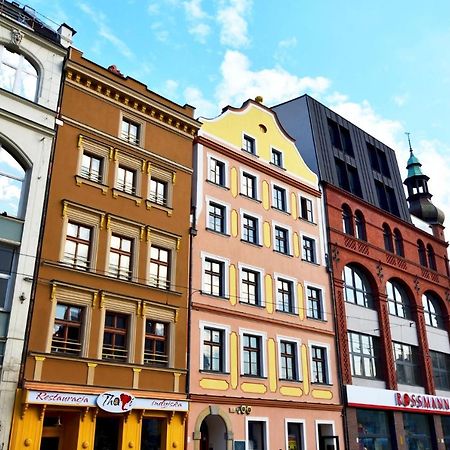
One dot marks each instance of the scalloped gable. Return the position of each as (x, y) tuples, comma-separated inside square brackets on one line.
[(233, 123)]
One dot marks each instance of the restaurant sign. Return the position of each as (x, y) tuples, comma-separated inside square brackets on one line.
[(115, 401)]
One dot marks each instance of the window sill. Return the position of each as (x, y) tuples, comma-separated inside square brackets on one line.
[(251, 304), (277, 166), (322, 384), (220, 297), (220, 233), (258, 377), (284, 254), (307, 221), (316, 319), (289, 380), (291, 313), (255, 244), (226, 188), (249, 153), (82, 180), (118, 193), (213, 372), (257, 200), (284, 211), (149, 205), (314, 263)]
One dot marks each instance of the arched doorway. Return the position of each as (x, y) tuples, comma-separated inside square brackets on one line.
[(213, 433), (213, 430)]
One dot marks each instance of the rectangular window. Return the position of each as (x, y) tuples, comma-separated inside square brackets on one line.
[(216, 217), (257, 435), (92, 167), (130, 131), (249, 145), (216, 172), (407, 364), (281, 243), (285, 296), (309, 249), (4, 319), (289, 361), (441, 369), (363, 355), (306, 209), (153, 434), (277, 158), (67, 329), (250, 232), (295, 436), (158, 192), (315, 303), (319, 364), (373, 429), (213, 349), (115, 336), (252, 353), (126, 180), (77, 246), (120, 257), (159, 267), (156, 343), (213, 278), (6, 261), (279, 198), (248, 185), (250, 287)]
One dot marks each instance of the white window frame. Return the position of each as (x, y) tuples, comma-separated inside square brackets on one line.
[(226, 339), (272, 149), (141, 128), (293, 280), (313, 209), (323, 422), (226, 274), (257, 188), (303, 423), (316, 249), (257, 419), (289, 230), (263, 336), (322, 289), (259, 218), (227, 209), (287, 197), (244, 135), (261, 273), (298, 344), (327, 347), (226, 177)]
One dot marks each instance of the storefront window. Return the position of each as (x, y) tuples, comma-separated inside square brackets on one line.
[(107, 433), (417, 431), (373, 430), (446, 431), (153, 434), (295, 436)]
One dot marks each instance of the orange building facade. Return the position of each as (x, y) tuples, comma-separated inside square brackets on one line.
[(106, 358), (263, 366)]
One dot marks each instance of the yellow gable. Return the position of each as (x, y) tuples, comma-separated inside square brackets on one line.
[(260, 124)]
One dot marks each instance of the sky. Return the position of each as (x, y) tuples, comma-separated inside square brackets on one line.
[(382, 65)]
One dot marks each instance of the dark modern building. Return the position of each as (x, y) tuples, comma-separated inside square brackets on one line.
[(388, 260)]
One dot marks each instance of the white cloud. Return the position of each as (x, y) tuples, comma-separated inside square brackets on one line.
[(194, 9), (401, 99), (171, 88), (275, 85), (160, 31), (231, 17), (153, 8), (200, 31), (197, 18), (288, 43), (204, 107), (105, 32)]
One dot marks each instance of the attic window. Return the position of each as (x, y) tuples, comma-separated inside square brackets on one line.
[(263, 128)]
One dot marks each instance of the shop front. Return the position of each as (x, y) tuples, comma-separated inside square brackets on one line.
[(112, 420), (386, 418)]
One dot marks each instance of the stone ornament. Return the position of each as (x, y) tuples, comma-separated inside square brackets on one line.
[(16, 36)]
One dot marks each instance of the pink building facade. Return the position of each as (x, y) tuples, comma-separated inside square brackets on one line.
[(263, 366)]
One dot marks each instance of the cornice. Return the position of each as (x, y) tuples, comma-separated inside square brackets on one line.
[(256, 165), (127, 98)]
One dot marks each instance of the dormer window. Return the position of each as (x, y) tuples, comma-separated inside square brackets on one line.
[(17, 74), (249, 145)]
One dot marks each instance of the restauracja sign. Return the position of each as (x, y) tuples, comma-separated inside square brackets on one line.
[(115, 401)]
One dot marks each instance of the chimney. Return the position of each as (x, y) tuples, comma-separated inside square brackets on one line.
[(66, 34)]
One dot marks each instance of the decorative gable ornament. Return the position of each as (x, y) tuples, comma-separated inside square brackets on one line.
[(16, 37)]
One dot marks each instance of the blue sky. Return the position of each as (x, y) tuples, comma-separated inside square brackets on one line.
[(382, 65)]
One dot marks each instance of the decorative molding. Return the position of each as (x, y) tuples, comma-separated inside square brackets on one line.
[(16, 37)]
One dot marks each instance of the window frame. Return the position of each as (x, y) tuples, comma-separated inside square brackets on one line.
[(374, 357), (157, 338), (8, 275), (114, 331), (280, 203), (258, 284), (223, 217), (286, 239), (226, 347), (223, 173), (309, 255), (302, 424), (224, 275), (433, 318), (245, 174), (257, 231), (68, 323), (321, 289), (249, 142), (276, 158), (326, 361), (74, 263), (366, 292), (443, 368), (126, 137), (412, 366), (263, 420), (294, 300), (262, 369), (297, 358), (395, 305), (160, 282), (122, 253), (306, 209)]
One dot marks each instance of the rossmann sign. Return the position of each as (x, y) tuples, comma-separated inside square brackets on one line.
[(366, 397)]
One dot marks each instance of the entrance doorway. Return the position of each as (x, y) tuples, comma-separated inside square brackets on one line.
[(213, 433), (107, 432), (327, 440), (52, 433)]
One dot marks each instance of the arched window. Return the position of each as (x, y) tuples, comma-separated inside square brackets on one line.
[(398, 300), (360, 226), (432, 310), (422, 253), (387, 236), (431, 257), (12, 176), (17, 74), (357, 288), (398, 243), (347, 219)]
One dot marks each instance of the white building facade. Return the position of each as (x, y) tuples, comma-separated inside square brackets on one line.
[(32, 58)]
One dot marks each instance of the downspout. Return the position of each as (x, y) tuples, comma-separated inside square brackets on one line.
[(338, 359)]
